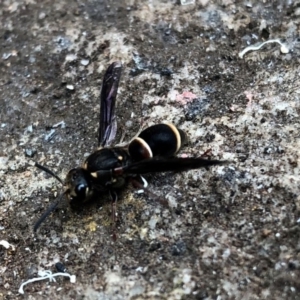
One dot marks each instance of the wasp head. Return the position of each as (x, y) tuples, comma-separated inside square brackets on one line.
[(78, 186)]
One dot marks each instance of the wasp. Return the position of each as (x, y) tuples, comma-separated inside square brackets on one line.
[(109, 168)]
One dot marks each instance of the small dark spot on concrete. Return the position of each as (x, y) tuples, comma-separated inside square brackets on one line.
[(60, 267), (178, 248), (33, 89), (178, 211), (229, 175), (202, 295), (196, 108), (209, 137), (163, 71), (243, 157), (280, 150), (265, 34), (293, 265), (154, 246), (30, 152)]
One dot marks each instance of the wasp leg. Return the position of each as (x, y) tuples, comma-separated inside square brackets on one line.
[(114, 198), (144, 181), (206, 153), (49, 210), (143, 187), (123, 144)]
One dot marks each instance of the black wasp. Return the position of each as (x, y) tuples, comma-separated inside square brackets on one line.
[(109, 168)]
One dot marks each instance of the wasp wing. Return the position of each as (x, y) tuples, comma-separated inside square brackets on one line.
[(108, 123), (157, 165), (177, 164)]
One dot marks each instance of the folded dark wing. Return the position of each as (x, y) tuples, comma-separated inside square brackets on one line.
[(177, 164), (107, 123)]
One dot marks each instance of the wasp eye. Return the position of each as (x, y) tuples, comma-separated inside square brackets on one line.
[(80, 189)]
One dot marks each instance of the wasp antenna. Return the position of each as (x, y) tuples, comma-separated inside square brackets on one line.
[(49, 172), (47, 212)]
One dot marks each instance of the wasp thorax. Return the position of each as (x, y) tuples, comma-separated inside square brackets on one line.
[(78, 185)]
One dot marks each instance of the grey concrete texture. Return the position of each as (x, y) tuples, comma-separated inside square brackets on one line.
[(229, 232)]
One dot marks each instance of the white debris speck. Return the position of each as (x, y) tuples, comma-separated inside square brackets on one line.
[(6, 56), (143, 233), (152, 222), (187, 2), (277, 266), (226, 253), (61, 124), (136, 290), (46, 274), (29, 128), (128, 124), (284, 49), (145, 183), (85, 62), (50, 135), (6, 244), (42, 15), (70, 87), (142, 270), (172, 201), (112, 278), (71, 57)]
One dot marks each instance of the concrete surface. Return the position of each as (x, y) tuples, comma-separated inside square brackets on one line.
[(230, 232)]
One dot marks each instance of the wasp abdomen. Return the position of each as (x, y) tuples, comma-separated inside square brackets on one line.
[(163, 140)]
